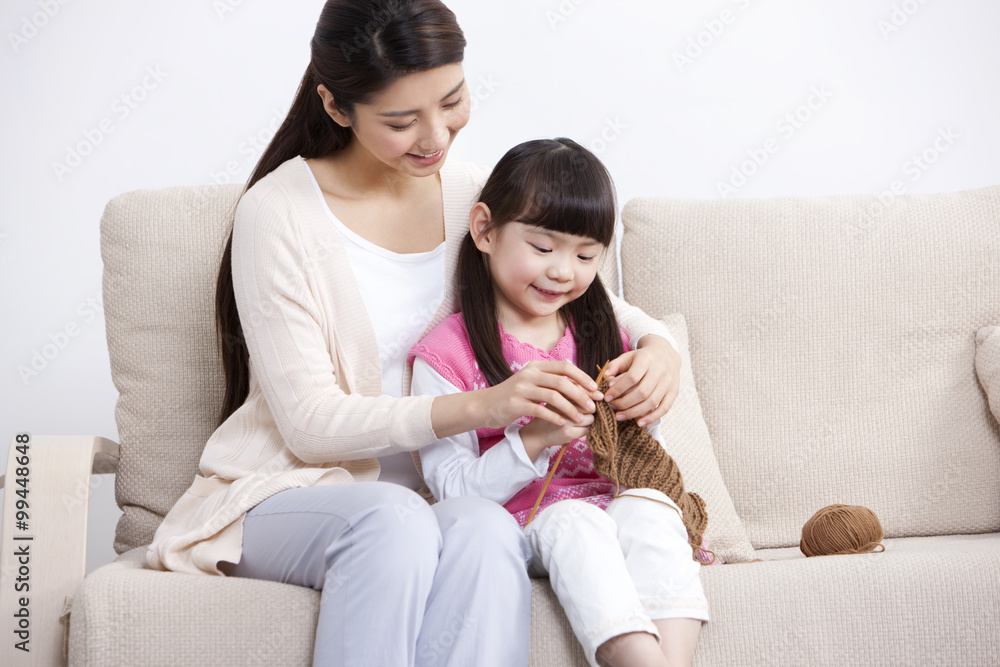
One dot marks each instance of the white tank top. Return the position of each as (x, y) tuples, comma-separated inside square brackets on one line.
[(401, 293)]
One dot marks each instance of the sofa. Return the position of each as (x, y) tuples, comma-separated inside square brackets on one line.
[(840, 349)]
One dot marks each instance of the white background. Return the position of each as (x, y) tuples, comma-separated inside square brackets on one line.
[(672, 95)]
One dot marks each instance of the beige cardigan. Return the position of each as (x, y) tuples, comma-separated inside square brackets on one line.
[(315, 413)]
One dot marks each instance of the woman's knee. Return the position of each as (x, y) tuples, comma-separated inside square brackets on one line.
[(395, 513), (379, 520), (481, 524), (297, 535)]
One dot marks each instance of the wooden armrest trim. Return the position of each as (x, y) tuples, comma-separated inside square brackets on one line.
[(43, 539)]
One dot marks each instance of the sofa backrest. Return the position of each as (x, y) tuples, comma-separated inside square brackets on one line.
[(161, 252), (833, 341)]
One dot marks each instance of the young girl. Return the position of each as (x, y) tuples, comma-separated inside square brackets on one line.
[(621, 567)]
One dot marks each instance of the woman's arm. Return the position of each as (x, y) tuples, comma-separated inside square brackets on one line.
[(637, 324), (452, 465), (566, 392), (645, 380), (290, 352)]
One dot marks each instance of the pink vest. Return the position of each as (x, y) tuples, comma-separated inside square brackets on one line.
[(448, 351)]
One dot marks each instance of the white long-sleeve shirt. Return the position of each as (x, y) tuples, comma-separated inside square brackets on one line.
[(453, 466)]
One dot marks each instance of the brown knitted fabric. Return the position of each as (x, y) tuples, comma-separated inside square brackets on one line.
[(627, 455)]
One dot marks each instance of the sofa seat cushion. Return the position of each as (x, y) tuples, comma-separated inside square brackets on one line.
[(126, 614), (924, 601)]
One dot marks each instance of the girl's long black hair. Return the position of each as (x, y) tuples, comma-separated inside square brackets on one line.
[(559, 185)]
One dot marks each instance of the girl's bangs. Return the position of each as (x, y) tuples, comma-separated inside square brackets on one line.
[(573, 194), (590, 214)]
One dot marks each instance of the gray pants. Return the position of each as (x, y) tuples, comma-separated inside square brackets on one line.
[(404, 583)]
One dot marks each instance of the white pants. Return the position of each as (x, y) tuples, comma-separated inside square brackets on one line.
[(617, 571), (404, 583)]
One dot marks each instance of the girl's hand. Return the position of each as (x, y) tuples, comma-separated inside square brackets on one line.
[(644, 382), (538, 434), (567, 392)]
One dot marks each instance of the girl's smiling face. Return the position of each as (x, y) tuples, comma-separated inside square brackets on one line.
[(536, 271), (410, 125)]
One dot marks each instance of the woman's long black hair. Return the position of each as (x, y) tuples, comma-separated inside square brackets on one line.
[(559, 185), (360, 47)]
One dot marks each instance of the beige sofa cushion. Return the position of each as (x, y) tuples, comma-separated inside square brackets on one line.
[(988, 365), (161, 252), (833, 340), (924, 601), (686, 438)]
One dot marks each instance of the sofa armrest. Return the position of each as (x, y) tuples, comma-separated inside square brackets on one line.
[(43, 541)]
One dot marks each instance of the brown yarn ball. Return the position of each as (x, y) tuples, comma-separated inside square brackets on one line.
[(842, 529)]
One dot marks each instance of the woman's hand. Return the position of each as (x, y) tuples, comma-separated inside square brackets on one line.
[(644, 383), (567, 392)]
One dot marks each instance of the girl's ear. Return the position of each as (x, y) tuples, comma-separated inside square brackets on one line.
[(331, 107), (479, 223)]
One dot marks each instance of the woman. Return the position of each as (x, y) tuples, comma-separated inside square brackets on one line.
[(342, 256)]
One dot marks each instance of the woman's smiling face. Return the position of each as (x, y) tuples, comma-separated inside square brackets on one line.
[(410, 125)]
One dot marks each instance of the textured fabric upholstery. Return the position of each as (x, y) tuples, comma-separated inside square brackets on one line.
[(833, 342), (161, 252), (925, 600), (126, 614), (686, 438), (988, 365)]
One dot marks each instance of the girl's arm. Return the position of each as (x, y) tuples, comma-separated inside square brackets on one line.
[(565, 390), (452, 465)]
